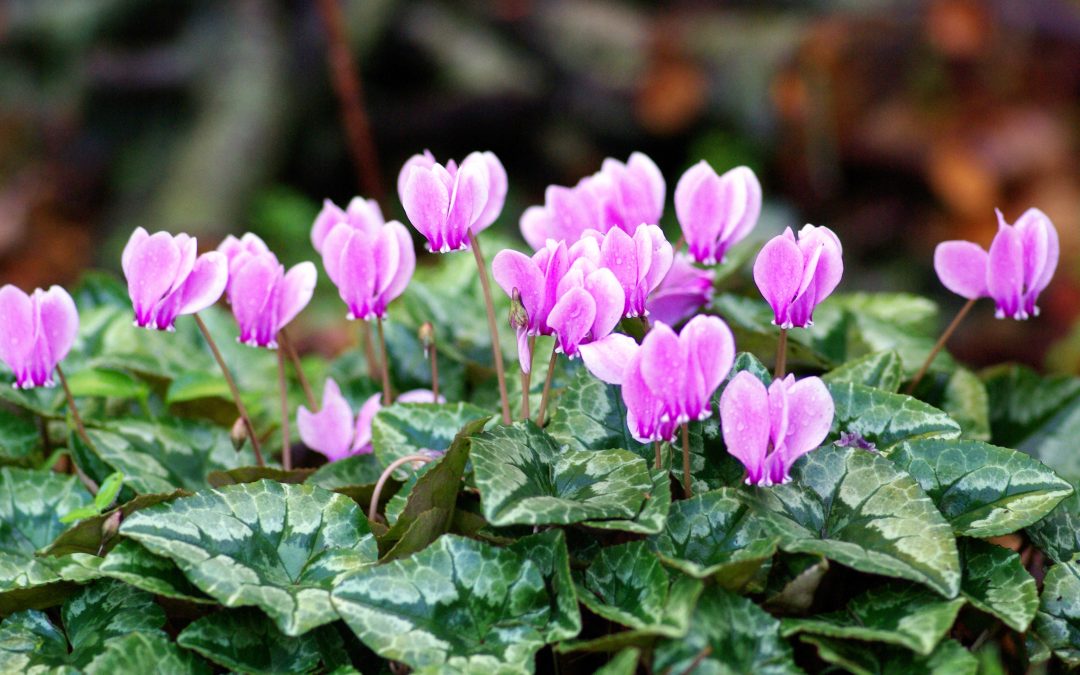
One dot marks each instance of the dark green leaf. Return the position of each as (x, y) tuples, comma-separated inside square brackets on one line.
[(626, 583), (547, 550), (863, 658), (418, 428), (623, 663), (144, 652), (355, 470), (1057, 623), (881, 370), (966, 401), (252, 474), (654, 511), (886, 419), (592, 416), (19, 437), (90, 535), (794, 582), (996, 582), (1058, 534)]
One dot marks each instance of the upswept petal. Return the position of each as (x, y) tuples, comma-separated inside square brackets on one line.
[(648, 184), (419, 396), (700, 200), (59, 322), (683, 290), (571, 319), (711, 348), (744, 422), (406, 262), (810, 416), (255, 289), (513, 270), (205, 284), (426, 201), (1005, 273), (468, 200), (608, 296), (424, 160), (778, 274), (642, 407), (961, 267), (297, 287), (664, 368), (607, 358), (329, 216), (151, 269), (136, 240), (329, 431), (17, 331), (371, 407), (737, 229), (386, 255), (535, 224), (497, 187)]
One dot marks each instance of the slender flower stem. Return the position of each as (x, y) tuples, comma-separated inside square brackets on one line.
[(287, 345), (283, 393), (80, 429), (496, 348), (940, 345), (373, 508), (701, 656), (686, 461), (240, 407), (368, 346), (526, 381), (387, 398), (781, 354), (656, 449), (434, 348), (679, 243), (547, 389)]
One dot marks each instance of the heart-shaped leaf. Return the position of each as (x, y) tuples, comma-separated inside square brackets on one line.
[(592, 416), (859, 509), (996, 582), (277, 547), (898, 614), (418, 428), (886, 419), (864, 658), (982, 489), (1057, 623), (881, 370), (524, 479)]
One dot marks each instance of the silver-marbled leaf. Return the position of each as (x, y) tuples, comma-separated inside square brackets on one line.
[(886, 419), (996, 582)]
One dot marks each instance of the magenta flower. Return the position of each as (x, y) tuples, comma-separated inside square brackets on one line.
[(671, 378), (716, 212), (684, 290), (620, 196), (768, 429), (1019, 266), (332, 431), (36, 333), (264, 297), (794, 275), (166, 277), (361, 214), (639, 263), (445, 203), (370, 265)]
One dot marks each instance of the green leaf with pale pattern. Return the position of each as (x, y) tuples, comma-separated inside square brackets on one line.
[(857, 508), (592, 416), (131, 563), (355, 470), (966, 401), (865, 658), (1058, 534), (245, 640), (715, 534), (1057, 623), (905, 615), (547, 550), (996, 582), (458, 604), (654, 511), (278, 547), (982, 489), (887, 419), (143, 652), (881, 370), (623, 663), (524, 479), (418, 428), (19, 438), (728, 634), (627, 584)]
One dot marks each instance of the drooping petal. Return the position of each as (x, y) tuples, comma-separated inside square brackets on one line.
[(608, 296), (362, 441), (664, 368), (426, 200), (778, 272), (607, 358), (711, 349), (17, 329), (513, 270), (572, 318), (330, 215), (297, 287), (329, 431), (810, 416), (1005, 273), (961, 267), (744, 422), (205, 284)]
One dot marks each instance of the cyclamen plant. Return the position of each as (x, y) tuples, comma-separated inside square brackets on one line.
[(790, 483)]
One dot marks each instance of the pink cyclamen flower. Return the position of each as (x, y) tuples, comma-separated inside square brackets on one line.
[(1019, 266), (669, 379), (446, 203), (684, 290), (361, 214), (620, 196), (716, 212), (768, 429), (794, 275), (370, 265), (264, 297), (167, 278), (639, 262), (36, 333), (334, 433)]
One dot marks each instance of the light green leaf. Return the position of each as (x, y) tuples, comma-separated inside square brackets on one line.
[(418, 428), (19, 437), (194, 386), (1058, 534), (983, 490), (881, 370), (106, 382), (623, 663), (355, 470), (715, 534), (110, 487), (857, 508), (793, 583), (898, 614), (524, 479), (886, 419), (862, 658), (592, 416), (143, 652), (728, 634), (278, 547), (1057, 623), (458, 604), (245, 640), (996, 582)]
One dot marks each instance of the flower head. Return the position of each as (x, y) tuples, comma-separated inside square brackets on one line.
[(370, 265), (361, 214), (445, 203), (639, 262), (620, 196), (334, 433), (36, 333), (794, 275), (768, 429), (264, 297), (683, 291), (670, 378), (714, 211), (1019, 266), (166, 277)]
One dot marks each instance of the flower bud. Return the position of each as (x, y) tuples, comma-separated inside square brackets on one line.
[(239, 434)]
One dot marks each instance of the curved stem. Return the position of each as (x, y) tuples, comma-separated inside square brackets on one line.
[(781, 355), (496, 348), (283, 393), (940, 345), (547, 389), (387, 397), (80, 429), (240, 407), (686, 461), (287, 345), (374, 506)]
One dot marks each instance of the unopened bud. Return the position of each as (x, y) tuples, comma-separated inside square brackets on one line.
[(239, 433), (519, 318), (427, 337)]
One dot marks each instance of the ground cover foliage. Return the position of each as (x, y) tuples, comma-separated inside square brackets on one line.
[(929, 533)]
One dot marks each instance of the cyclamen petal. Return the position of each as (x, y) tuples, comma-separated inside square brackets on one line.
[(683, 291), (607, 359), (961, 267), (37, 332), (795, 274), (166, 278)]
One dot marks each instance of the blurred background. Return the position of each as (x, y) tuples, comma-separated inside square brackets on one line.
[(897, 124)]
